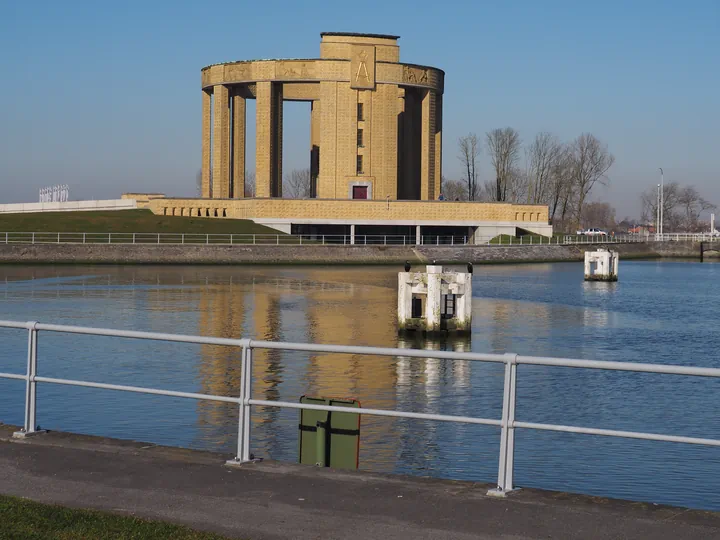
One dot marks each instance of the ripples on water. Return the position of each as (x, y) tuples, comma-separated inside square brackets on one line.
[(664, 312)]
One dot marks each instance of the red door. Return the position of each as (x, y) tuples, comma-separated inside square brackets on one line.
[(360, 192)]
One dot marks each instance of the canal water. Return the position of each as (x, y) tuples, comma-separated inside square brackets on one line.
[(663, 312)]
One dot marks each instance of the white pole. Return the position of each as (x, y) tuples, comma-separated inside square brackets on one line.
[(662, 199), (657, 212)]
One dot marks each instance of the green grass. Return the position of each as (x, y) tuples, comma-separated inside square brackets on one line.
[(125, 221), (20, 518), (506, 239)]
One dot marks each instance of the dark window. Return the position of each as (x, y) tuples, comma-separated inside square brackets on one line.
[(360, 138), (360, 192), (360, 165), (361, 117)]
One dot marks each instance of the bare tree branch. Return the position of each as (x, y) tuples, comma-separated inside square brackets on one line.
[(297, 184), (469, 152), (542, 158), (590, 160), (504, 149)]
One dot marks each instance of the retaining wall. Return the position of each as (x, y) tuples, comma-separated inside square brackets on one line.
[(68, 206), (285, 254)]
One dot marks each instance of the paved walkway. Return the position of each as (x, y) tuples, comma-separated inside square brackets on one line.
[(272, 501)]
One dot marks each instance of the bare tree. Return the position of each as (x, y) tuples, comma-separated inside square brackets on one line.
[(560, 192), (542, 158), (454, 190), (249, 184), (598, 214), (589, 160), (469, 152), (504, 149), (297, 184), (692, 205), (649, 202), (517, 185)]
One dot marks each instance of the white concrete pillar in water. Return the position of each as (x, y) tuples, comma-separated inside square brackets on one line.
[(602, 265), (443, 301)]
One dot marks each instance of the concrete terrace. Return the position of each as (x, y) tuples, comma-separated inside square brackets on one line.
[(273, 501)]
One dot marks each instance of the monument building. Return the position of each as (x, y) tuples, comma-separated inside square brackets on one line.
[(375, 152), (375, 123)]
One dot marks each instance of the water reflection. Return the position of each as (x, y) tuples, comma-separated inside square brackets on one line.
[(658, 312)]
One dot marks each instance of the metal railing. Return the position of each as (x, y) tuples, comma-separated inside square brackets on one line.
[(626, 238), (225, 239), (507, 422), (335, 239)]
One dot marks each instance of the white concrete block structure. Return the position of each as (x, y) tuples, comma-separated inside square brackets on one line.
[(434, 301), (601, 265)]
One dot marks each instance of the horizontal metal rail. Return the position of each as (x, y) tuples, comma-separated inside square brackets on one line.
[(230, 239), (620, 434), (507, 422), (377, 412), (136, 389)]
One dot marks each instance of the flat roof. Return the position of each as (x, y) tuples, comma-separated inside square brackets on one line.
[(355, 34)]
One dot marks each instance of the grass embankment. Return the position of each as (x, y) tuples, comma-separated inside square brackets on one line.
[(133, 226), (506, 239), (125, 221), (27, 519)]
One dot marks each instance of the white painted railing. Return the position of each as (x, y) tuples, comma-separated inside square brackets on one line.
[(507, 423), (330, 239)]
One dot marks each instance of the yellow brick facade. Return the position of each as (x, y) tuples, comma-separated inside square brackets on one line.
[(361, 211), (359, 147)]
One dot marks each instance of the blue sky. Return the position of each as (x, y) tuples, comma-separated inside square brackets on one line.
[(105, 96)]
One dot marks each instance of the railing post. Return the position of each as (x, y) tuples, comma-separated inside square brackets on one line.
[(506, 462), (182, 238), (30, 426), (133, 238), (84, 237), (33, 238), (243, 448), (158, 238), (58, 241), (6, 238)]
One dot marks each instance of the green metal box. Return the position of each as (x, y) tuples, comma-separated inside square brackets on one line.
[(329, 438)]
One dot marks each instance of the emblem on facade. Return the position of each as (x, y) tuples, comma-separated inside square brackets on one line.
[(415, 75), (362, 68)]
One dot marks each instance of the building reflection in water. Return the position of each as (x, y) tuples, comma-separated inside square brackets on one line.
[(317, 309)]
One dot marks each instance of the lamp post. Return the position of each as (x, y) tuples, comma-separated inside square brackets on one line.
[(657, 214), (662, 199)]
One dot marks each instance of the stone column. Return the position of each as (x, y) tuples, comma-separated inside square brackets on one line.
[(221, 143), (328, 139), (418, 237), (238, 153), (206, 167), (268, 146), (428, 165)]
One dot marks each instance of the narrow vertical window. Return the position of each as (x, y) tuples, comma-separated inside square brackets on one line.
[(360, 111), (360, 138), (360, 165)]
